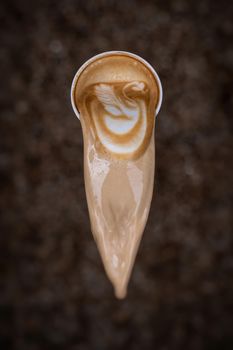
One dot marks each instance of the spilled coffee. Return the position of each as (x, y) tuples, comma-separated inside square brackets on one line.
[(116, 96)]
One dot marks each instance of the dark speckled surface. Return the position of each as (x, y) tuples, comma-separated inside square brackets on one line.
[(53, 290)]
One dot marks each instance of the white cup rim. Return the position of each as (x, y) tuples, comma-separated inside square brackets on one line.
[(110, 53)]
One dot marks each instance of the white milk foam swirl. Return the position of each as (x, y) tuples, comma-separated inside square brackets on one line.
[(124, 118)]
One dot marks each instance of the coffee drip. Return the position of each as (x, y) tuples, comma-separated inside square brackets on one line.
[(117, 96)]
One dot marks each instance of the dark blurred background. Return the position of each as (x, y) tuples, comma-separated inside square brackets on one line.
[(54, 293)]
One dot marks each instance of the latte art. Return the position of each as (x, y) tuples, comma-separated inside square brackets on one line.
[(120, 117)]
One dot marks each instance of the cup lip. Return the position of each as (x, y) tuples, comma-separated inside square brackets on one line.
[(110, 53)]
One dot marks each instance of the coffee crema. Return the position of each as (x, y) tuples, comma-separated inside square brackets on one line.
[(116, 96)]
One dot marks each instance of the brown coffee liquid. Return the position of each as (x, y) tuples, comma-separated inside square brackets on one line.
[(117, 96)]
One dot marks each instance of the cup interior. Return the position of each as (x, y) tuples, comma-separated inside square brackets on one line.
[(111, 53)]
